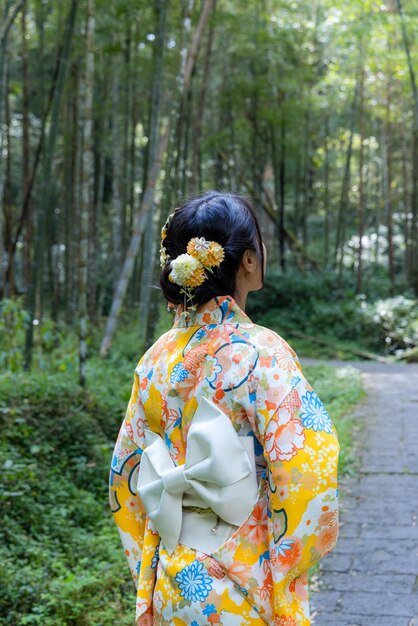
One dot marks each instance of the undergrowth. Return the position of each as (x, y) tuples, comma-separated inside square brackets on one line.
[(62, 560)]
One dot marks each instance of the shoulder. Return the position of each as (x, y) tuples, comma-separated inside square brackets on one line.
[(166, 341), (278, 372), (271, 344)]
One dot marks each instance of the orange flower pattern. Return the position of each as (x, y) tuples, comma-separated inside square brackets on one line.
[(259, 575)]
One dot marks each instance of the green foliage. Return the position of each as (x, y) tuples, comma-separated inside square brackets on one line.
[(314, 303), (396, 321), (61, 556), (13, 323), (50, 339), (62, 561)]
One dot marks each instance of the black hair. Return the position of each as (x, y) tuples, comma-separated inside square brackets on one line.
[(227, 218)]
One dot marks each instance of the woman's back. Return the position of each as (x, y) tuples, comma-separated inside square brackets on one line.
[(257, 572)]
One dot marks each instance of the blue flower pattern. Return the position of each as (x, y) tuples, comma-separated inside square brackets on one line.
[(209, 610), (314, 415), (193, 582), (284, 546), (200, 334), (179, 373), (295, 380)]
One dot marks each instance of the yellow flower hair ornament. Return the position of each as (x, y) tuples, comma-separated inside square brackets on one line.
[(189, 270)]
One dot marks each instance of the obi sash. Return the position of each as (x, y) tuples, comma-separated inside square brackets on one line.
[(218, 474)]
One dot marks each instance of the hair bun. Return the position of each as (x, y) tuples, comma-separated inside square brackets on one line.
[(202, 244)]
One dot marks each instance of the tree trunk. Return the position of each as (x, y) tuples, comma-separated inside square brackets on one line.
[(150, 244), (132, 147), (296, 210), (117, 250), (414, 220), (10, 18), (9, 286), (125, 133), (36, 269), (378, 204), (303, 214), (361, 205), (180, 109), (26, 149), (87, 190), (3, 95), (187, 125), (345, 188), (406, 198), (279, 166), (40, 147), (72, 210), (387, 186), (414, 199), (148, 196), (198, 119), (327, 209)]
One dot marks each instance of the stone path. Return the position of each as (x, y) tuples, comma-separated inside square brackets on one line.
[(371, 578)]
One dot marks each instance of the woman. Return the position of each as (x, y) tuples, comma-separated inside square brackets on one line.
[(220, 525)]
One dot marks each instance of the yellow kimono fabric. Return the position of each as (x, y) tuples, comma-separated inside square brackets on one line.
[(259, 575)]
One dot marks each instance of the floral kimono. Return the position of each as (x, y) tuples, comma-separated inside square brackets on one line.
[(259, 575)]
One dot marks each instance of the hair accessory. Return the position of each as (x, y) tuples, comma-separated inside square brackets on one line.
[(164, 256), (189, 270)]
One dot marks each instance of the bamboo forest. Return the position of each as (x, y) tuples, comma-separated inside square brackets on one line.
[(112, 114)]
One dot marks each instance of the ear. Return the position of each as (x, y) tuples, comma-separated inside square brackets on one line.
[(249, 261)]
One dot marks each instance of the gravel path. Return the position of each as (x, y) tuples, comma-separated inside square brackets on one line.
[(371, 578)]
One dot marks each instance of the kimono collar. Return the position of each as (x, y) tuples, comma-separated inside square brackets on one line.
[(218, 310)]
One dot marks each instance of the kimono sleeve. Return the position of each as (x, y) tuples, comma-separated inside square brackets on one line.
[(127, 509), (301, 450)]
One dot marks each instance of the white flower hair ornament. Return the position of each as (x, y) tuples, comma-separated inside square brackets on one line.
[(189, 270)]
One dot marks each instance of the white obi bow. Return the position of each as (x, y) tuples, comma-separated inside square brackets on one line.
[(218, 473)]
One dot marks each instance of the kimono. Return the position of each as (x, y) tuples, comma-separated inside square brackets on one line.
[(260, 574)]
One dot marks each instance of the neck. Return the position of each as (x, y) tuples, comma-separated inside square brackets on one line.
[(241, 300)]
